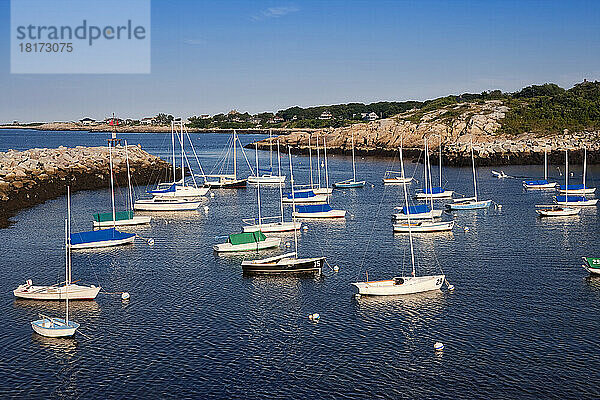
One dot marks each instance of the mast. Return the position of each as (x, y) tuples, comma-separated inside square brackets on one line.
[(173, 145), (326, 170), (258, 188), (412, 251), (474, 177), (429, 175), (280, 183), (440, 149), (69, 230), (235, 157), (67, 272), (584, 166), (129, 178), (546, 164), (112, 184), (425, 169), (318, 162), (567, 176), (293, 202), (182, 153), (353, 165), (310, 161), (270, 151)]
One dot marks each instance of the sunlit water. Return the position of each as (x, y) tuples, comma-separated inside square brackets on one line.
[(522, 322)]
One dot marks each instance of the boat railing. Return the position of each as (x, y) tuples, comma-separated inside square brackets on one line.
[(254, 221)]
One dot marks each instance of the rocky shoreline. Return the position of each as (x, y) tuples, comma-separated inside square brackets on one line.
[(455, 126), (33, 176)]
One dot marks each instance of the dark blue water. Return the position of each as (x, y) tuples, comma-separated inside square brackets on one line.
[(522, 322)]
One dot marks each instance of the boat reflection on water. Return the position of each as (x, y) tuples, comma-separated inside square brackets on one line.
[(89, 307), (593, 282), (61, 346)]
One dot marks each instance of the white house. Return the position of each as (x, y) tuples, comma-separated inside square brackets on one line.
[(87, 121), (325, 115), (147, 121), (372, 116)]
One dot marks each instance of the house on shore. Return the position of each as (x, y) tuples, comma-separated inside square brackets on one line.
[(325, 115), (87, 121), (147, 121)]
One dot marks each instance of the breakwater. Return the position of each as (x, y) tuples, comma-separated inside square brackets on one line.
[(33, 176)]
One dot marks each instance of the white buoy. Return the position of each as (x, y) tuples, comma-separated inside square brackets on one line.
[(305, 228), (150, 241), (438, 346), (212, 194), (125, 296), (316, 316), (466, 229), (205, 208), (288, 244), (499, 206), (336, 268)]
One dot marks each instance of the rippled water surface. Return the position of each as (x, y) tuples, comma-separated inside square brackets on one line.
[(522, 322)]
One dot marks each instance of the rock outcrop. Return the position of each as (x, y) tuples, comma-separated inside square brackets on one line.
[(455, 126), (33, 176)]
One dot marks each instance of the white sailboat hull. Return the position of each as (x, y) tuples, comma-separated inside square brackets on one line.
[(318, 198), (578, 191), (586, 203), (76, 292), (558, 212), (103, 243), (265, 244), (443, 195), (397, 181), (266, 179), (424, 226), (324, 214), (156, 204), (545, 186), (273, 227), (56, 327), (184, 192), (136, 220), (400, 285), (425, 215)]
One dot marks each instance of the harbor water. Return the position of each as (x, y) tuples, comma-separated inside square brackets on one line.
[(521, 323)]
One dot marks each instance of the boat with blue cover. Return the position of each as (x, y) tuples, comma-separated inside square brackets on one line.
[(568, 200), (317, 211), (541, 183), (582, 188), (430, 191), (420, 211), (307, 196), (100, 238)]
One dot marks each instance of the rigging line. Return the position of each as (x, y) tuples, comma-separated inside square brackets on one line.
[(157, 173)]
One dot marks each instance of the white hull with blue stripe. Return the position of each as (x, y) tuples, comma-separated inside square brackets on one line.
[(470, 205)]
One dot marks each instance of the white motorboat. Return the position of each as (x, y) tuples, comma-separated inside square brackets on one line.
[(499, 175)]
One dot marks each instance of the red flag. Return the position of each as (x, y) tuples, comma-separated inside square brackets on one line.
[(111, 122)]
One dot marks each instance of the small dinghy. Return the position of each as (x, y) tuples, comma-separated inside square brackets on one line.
[(499, 175), (592, 265), (284, 264), (396, 180), (317, 211), (247, 241), (555, 210), (423, 226), (421, 211), (469, 203)]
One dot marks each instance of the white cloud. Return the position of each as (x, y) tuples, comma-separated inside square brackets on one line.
[(275, 12)]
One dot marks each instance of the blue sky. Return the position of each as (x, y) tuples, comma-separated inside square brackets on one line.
[(210, 57)]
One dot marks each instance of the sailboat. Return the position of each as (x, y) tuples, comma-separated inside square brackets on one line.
[(573, 201), (541, 183), (262, 224), (395, 178), (267, 178), (58, 291), (425, 226), (176, 195), (289, 262), (592, 265), (316, 188), (470, 203), (119, 218), (402, 284), (59, 327), (430, 191), (579, 189), (350, 183), (229, 181)]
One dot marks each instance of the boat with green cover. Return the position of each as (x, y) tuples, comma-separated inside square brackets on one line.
[(592, 265), (247, 241)]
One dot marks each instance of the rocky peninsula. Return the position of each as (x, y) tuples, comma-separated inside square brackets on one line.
[(33, 176), (456, 126)]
